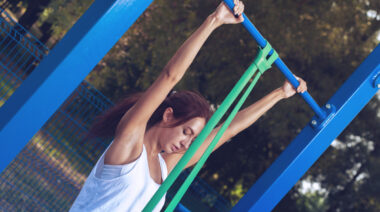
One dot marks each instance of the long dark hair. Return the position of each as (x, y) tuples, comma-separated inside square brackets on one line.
[(185, 104)]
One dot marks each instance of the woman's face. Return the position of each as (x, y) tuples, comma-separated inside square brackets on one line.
[(178, 139)]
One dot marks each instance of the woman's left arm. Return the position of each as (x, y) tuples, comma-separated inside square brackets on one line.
[(249, 115)]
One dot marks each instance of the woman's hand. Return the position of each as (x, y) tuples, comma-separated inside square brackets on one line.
[(289, 91), (224, 15)]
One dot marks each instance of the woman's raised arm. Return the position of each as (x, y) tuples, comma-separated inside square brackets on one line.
[(128, 139), (249, 115), (179, 63)]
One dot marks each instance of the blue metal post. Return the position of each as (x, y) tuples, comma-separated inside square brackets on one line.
[(57, 76), (280, 64), (309, 145)]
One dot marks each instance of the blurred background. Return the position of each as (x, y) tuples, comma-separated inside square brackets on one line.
[(322, 42)]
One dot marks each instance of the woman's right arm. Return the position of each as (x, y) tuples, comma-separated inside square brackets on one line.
[(128, 140)]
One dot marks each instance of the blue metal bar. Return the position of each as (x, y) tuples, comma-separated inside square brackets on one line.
[(8, 81), (10, 52), (12, 82), (19, 69), (280, 64), (181, 208), (6, 46), (28, 68), (309, 145), (60, 73), (20, 58)]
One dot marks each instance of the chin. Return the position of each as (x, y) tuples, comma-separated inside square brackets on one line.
[(168, 150)]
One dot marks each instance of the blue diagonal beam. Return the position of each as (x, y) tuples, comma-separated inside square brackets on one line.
[(309, 145), (60, 73)]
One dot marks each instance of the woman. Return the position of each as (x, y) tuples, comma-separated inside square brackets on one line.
[(152, 130)]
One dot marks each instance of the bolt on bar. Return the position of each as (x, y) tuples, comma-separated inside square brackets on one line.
[(280, 64)]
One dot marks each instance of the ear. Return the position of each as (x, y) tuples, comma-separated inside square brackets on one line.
[(168, 115)]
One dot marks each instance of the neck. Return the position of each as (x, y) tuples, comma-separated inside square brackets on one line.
[(151, 143)]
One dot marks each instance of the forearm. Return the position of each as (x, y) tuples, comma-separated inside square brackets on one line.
[(249, 115), (185, 55), (242, 120)]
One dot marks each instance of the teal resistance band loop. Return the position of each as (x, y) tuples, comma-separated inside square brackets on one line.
[(209, 149), (227, 102), (211, 124), (261, 60)]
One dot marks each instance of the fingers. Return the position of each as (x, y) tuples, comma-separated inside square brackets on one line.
[(226, 16), (238, 8), (241, 8), (302, 86)]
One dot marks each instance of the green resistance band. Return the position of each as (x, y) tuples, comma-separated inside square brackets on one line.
[(262, 64)]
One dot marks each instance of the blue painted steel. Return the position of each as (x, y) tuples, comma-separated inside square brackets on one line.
[(181, 208), (62, 71), (317, 123), (279, 63), (309, 145)]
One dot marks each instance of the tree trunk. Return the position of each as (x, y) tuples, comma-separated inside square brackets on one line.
[(32, 13)]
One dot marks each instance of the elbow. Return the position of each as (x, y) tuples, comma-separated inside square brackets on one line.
[(231, 132), (171, 76)]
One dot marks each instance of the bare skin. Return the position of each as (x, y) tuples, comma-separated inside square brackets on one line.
[(242, 120), (131, 133)]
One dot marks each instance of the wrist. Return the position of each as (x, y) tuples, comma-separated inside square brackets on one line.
[(214, 21), (280, 93)]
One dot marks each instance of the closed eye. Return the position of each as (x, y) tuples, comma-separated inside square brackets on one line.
[(187, 131)]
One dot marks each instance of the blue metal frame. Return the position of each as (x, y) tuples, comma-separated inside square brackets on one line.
[(93, 36), (57, 76), (279, 63), (309, 145)]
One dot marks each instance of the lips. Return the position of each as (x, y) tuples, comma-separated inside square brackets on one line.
[(174, 148)]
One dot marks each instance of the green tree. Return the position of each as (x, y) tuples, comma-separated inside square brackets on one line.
[(321, 41)]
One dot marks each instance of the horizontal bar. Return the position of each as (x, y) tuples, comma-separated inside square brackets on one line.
[(310, 144), (279, 63)]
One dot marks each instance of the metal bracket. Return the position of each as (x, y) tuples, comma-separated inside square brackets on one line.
[(317, 123), (330, 109)]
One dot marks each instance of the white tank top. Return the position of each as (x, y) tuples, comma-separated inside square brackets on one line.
[(130, 190)]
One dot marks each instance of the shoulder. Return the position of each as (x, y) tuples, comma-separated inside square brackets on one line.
[(124, 149)]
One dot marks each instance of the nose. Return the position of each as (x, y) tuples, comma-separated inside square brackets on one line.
[(186, 143)]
